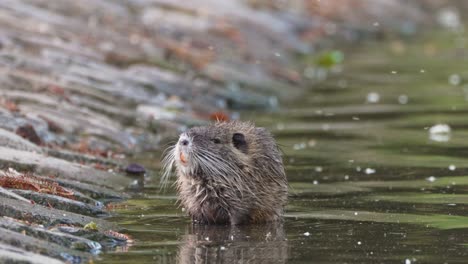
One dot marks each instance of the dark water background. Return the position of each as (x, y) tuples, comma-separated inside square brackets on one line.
[(369, 182)]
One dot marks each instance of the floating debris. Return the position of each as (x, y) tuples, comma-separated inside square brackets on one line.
[(440, 133)]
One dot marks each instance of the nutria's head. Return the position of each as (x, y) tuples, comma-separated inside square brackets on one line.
[(228, 172)]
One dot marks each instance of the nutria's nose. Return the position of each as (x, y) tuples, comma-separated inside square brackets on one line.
[(184, 142)]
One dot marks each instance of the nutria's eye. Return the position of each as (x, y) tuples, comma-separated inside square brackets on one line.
[(216, 140), (238, 140)]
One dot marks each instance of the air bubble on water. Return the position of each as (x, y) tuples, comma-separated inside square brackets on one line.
[(355, 213), (311, 143), (359, 242), (452, 167), (306, 234), (299, 146), (373, 97), (346, 177), (454, 79), (403, 99), (315, 182), (440, 132), (449, 18), (207, 238), (431, 179), (369, 171)]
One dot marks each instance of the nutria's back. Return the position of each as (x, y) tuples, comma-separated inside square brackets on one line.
[(229, 172)]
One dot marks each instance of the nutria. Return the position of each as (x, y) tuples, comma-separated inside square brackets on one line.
[(228, 173)]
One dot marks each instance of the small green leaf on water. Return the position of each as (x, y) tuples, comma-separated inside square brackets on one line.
[(330, 58), (91, 226)]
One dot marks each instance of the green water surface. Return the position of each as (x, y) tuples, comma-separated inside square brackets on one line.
[(368, 182)]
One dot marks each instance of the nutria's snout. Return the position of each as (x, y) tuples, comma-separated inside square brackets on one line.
[(229, 172), (183, 150)]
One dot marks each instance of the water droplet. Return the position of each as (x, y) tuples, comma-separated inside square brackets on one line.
[(431, 179)]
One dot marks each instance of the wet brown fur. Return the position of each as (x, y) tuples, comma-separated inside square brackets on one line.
[(227, 184)]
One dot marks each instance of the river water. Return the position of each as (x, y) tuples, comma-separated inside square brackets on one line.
[(371, 178)]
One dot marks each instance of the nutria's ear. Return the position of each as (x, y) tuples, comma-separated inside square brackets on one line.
[(238, 140)]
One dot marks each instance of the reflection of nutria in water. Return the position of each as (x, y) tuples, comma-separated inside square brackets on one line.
[(229, 172), (235, 244)]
